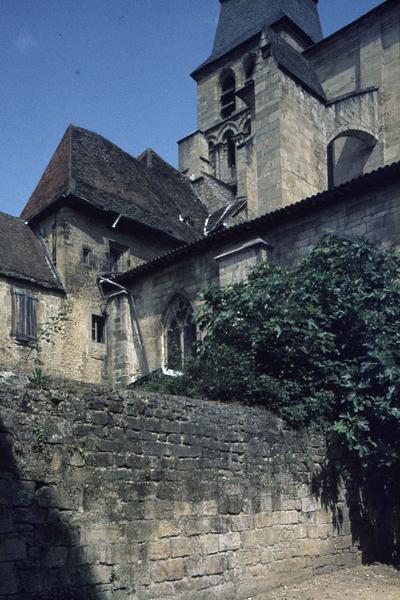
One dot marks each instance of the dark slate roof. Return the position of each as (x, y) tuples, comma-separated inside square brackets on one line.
[(22, 256), (294, 63), (384, 175), (176, 186), (221, 192), (242, 19), (222, 216), (147, 190)]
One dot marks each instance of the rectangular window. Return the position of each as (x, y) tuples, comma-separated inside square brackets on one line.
[(98, 329), (116, 252), (87, 257), (24, 326)]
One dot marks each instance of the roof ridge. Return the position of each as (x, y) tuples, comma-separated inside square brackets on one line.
[(99, 135), (4, 214)]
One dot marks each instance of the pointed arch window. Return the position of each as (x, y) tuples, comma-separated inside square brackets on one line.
[(180, 334), (228, 93)]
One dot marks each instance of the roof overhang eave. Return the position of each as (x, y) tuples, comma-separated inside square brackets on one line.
[(56, 287), (114, 214)]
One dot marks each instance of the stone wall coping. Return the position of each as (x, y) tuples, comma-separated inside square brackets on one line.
[(256, 242), (368, 90)]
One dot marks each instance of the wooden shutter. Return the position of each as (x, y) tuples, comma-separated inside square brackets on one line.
[(31, 317), (24, 315)]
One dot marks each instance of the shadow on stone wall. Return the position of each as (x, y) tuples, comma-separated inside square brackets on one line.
[(373, 499), (40, 556)]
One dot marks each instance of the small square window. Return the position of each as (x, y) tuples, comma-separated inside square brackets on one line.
[(98, 329)]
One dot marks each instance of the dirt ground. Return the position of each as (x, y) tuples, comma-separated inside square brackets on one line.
[(376, 582)]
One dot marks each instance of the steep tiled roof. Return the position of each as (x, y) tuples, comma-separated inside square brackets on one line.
[(147, 189), (294, 63), (242, 19), (21, 254), (207, 186), (384, 175), (176, 186)]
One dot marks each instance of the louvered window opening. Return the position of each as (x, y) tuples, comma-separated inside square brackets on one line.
[(24, 316), (228, 95)]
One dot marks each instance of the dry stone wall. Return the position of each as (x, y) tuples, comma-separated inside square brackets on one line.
[(107, 494)]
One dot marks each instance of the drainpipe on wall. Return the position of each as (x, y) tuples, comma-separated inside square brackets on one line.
[(114, 225), (123, 373), (121, 288)]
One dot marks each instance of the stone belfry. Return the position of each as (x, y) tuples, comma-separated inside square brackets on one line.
[(239, 139)]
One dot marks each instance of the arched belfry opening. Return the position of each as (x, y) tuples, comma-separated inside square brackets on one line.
[(230, 149), (348, 155), (249, 64), (180, 333), (228, 93)]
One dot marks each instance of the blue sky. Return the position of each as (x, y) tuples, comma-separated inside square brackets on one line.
[(118, 67)]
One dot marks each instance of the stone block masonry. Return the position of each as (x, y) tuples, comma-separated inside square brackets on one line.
[(114, 495)]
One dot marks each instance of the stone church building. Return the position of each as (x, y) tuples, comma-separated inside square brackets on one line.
[(296, 134)]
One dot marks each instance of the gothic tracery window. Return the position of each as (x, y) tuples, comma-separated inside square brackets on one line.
[(180, 334)]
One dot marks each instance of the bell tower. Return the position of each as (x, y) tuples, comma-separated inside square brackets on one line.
[(229, 116)]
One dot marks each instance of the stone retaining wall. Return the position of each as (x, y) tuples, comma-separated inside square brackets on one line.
[(108, 494)]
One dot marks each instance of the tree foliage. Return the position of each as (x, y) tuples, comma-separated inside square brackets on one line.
[(319, 344)]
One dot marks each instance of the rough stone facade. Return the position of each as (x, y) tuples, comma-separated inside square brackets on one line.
[(371, 210), (76, 232), (293, 126), (26, 355), (115, 495), (79, 244), (283, 115)]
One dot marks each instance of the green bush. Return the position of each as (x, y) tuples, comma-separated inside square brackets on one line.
[(318, 344)]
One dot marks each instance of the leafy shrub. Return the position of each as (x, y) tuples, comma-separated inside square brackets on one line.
[(318, 344)]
